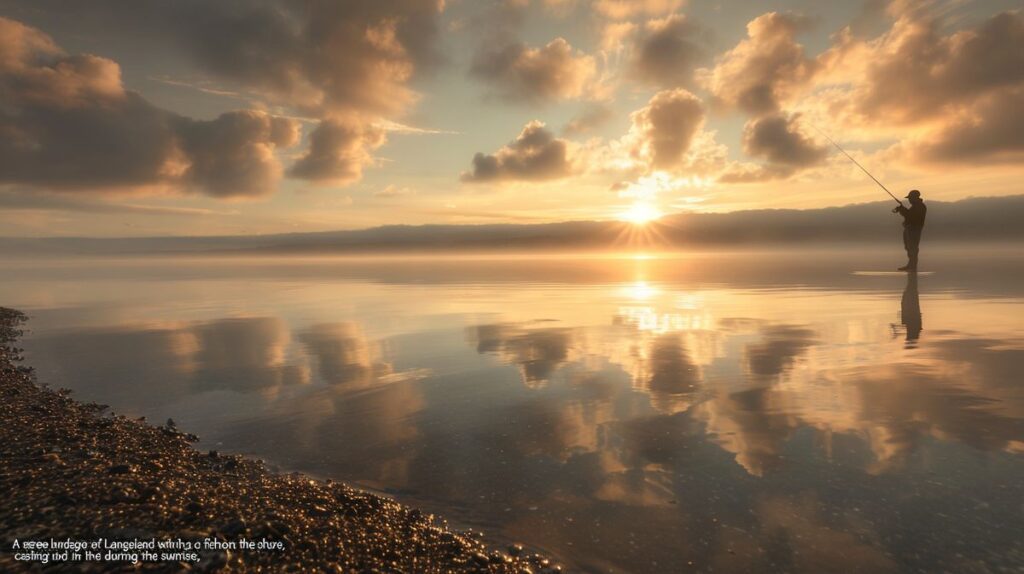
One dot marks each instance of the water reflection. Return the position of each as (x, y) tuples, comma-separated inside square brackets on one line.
[(537, 352), (124, 364), (672, 371), (779, 348), (343, 355), (243, 354), (910, 310), (648, 423)]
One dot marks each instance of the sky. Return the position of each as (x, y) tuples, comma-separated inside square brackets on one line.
[(188, 117)]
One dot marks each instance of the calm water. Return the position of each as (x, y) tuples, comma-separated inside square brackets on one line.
[(740, 413)]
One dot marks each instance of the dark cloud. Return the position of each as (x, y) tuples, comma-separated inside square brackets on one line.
[(320, 56), (522, 74), (68, 123), (668, 51), (778, 140), (536, 154), (338, 151), (763, 70), (593, 117), (993, 130), (665, 128), (233, 155), (966, 87), (324, 59), (918, 73)]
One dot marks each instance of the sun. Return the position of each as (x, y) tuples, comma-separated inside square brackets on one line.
[(640, 213)]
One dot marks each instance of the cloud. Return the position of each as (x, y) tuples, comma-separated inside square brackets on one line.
[(625, 9), (992, 130), (321, 57), (518, 73), (391, 126), (614, 34), (535, 155), (765, 69), (753, 173), (957, 91), (318, 59), (338, 151), (593, 117), (394, 191), (667, 52), (949, 95), (67, 123), (233, 155), (916, 73), (778, 140), (37, 201), (664, 129)]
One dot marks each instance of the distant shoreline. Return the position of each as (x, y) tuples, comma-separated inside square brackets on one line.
[(975, 220), (71, 471)]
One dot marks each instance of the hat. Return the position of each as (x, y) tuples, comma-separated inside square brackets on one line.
[(913, 194)]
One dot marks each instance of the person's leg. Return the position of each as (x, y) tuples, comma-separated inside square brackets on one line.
[(906, 247), (913, 246)]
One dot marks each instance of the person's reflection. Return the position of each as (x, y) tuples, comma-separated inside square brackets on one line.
[(910, 310)]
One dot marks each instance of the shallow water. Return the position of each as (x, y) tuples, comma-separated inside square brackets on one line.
[(744, 412)]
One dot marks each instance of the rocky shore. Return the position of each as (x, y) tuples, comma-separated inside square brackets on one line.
[(74, 472)]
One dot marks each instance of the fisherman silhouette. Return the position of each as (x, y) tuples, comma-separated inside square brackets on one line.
[(913, 225), (910, 310)]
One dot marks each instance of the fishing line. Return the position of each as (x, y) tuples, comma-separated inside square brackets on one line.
[(855, 162)]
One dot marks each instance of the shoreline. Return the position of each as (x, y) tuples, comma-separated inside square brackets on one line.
[(74, 472)]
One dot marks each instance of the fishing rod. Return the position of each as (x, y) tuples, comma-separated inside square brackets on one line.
[(824, 135)]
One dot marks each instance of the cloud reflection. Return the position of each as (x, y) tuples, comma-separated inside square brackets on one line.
[(343, 355), (179, 359), (244, 354), (537, 352), (780, 347)]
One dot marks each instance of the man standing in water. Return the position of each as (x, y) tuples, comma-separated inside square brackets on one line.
[(913, 224)]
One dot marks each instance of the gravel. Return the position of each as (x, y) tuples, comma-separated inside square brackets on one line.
[(73, 470)]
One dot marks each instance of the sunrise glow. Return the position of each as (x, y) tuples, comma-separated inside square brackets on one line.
[(640, 214)]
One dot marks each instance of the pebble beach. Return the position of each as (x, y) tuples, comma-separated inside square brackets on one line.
[(74, 474)]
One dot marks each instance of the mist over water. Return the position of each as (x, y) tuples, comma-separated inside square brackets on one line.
[(801, 411)]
